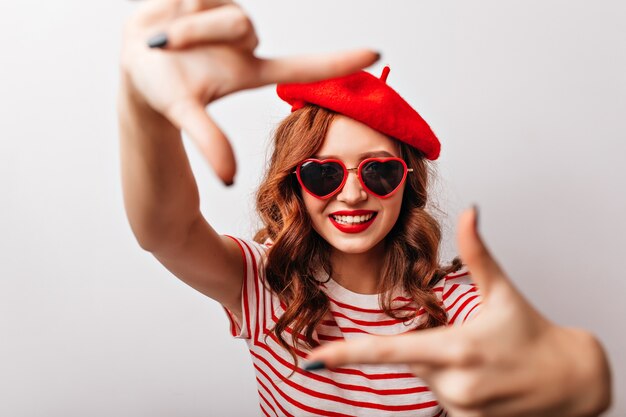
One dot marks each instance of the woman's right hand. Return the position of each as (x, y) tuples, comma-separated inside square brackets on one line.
[(209, 53), (509, 360)]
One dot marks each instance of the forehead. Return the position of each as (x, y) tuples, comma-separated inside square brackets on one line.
[(348, 139)]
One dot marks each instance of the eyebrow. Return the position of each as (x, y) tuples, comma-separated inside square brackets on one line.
[(361, 156)]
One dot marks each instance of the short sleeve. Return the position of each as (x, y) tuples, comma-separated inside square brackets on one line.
[(460, 297), (252, 290)]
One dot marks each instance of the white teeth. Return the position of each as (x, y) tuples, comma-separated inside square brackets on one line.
[(352, 219)]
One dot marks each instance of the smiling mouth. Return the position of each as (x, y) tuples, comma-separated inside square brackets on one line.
[(349, 220)]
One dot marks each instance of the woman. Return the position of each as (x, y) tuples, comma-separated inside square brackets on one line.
[(203, 51)]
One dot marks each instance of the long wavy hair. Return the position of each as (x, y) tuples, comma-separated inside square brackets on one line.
[(298, 251)]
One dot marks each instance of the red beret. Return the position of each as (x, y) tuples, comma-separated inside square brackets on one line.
[(363, 97)]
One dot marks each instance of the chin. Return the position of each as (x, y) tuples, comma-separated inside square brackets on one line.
[(351, 245), (351, 249)]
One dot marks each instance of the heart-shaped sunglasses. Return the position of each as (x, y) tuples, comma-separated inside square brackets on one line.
[(381, 177)]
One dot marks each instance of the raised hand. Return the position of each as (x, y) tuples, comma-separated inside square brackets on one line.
[(201, 51), (508, 361)]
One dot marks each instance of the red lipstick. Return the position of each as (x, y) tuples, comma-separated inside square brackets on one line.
[(352, 228)]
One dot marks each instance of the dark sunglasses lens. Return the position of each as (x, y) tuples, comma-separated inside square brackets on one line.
[(382, 177), (321, 179)]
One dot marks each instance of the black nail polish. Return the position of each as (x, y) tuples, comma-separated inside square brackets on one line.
[(315, 366), (158, 41), (476, 215), (229, 183), (378, 56)]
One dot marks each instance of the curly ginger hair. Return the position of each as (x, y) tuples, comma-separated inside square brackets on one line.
[(298, 251)]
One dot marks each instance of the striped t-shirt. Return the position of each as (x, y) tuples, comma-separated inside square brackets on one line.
[(361, 390)]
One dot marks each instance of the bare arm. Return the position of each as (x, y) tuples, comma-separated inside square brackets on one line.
[(162, 204), (160, 192)]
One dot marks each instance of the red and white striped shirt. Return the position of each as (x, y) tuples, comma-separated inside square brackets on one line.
[(363, 390)]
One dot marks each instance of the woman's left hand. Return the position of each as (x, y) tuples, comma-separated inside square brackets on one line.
[(508, 361)]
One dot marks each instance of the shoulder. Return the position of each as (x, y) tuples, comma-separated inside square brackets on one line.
[(459, 295), (244, 317), (458, 278), (253, 253)]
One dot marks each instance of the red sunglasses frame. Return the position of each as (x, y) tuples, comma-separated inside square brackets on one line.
[(346, 171)]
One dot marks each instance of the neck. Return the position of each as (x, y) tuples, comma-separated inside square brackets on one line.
[(358, 272)]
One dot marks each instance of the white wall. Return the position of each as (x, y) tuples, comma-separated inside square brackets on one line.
[(528, 98)]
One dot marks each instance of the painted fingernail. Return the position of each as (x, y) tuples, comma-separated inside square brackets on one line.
[(229, 183), (378, 56), (158, 41), (315, 366), (476, 215)]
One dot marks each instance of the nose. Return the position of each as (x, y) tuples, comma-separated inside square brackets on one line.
[(352, 191)]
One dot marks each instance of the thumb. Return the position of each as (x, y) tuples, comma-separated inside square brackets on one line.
[(485, 271), (192, 117)]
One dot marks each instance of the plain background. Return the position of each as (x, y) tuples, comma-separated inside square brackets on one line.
[(527, 97)]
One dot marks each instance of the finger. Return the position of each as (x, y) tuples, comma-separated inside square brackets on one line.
[(223, 24), (194, 6), (484, 269), (314, 67), (192, 117), (426, 348), (156, 10), (155, 7)]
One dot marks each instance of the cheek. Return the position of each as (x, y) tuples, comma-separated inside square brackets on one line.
[(394, 205), (314, 208)]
